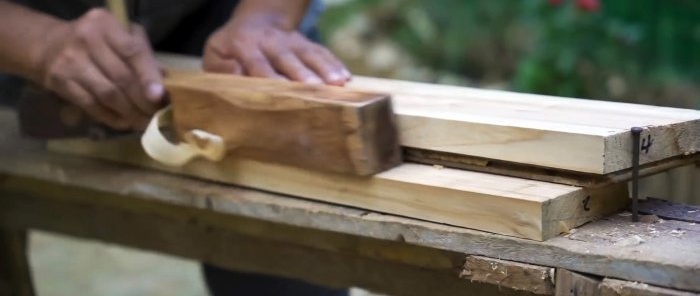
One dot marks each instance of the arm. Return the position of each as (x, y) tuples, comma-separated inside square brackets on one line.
[(93, 62), (262, 40), (22, 33)]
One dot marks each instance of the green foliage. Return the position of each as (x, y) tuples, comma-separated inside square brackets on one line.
[(638, 46)]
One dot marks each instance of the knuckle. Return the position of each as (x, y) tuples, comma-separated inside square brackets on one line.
[(84, 32), (97, 13), (130, 48), (121, 78), (241, 45), (270, 32), (282, 57), (53, 76), (307, 51), (86, 103), (107, 94), (254, 62)]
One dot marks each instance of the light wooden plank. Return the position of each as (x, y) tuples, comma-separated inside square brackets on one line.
[(669, 256), (562, 133), (613, 287), (311, 126), (500, 204)]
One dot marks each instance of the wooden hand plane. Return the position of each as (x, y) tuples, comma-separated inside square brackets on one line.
[(311, 126)]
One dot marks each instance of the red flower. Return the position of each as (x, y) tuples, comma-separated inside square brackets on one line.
[(588, 5), (555, 2)]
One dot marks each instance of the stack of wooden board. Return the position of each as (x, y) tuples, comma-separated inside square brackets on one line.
[(532, 137)]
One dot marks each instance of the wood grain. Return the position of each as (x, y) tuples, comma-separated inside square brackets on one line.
[(586, 136), (311, 126), (326, 258), (667, 257), (513, 275), (505, 205), (564, 133), (613, 287), (574, 284)]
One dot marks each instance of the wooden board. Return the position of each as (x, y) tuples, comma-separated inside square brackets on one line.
[(311, 126), (535, 279), (577, 135), (505, 205), (666, 256), (575, 284), (564, 133), (612, 287)]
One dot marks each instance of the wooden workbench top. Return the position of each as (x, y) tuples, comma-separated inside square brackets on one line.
[(664, 254)]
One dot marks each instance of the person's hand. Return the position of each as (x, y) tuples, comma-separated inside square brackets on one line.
[(267, 51), (108, 71)]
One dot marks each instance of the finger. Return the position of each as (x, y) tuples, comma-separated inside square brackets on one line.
[(119, 74), (109, 95), (83, 99), (255, 63), (331, 70), (289, 64), (135, 51), (147, 67), (215, 62)]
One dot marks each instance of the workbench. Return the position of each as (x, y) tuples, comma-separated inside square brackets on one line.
[(255, 231)]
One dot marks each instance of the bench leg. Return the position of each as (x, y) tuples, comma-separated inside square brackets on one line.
[(15, 273)]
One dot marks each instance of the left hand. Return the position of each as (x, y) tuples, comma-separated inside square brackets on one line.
[(268, 51)]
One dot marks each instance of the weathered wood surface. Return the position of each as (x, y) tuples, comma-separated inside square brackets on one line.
[(563, 133), (608, 247), (15, 274), (612, 287), (575, 284), (670, 210), (311, 126), (538, 280), (321, 257)]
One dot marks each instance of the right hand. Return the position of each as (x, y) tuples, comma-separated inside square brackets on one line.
[(109, 72)]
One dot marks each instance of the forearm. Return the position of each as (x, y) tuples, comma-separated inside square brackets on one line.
[(23, 33), (283, 14)]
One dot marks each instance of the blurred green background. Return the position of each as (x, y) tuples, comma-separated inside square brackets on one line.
[(644, 51)]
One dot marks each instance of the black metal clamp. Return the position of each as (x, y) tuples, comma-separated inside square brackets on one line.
[(636, 135)]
